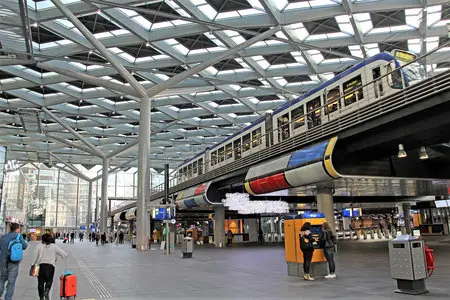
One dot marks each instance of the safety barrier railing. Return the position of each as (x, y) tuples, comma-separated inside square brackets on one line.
[(342, 120)]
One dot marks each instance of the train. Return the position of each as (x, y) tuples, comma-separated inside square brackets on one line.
[(358, 86)]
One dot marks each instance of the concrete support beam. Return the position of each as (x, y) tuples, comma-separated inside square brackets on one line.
[(219, 226), (325, 205)]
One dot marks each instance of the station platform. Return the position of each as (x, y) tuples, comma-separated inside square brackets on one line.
[(243, 272)]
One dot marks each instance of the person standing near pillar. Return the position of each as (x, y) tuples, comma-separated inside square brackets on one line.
[(327, 242)]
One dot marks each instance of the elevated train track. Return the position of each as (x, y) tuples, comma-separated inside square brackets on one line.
[(431, 94)]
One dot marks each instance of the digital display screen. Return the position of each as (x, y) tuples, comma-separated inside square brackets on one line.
[(357, 212), (346, 212), (404, 56), (441, 203)]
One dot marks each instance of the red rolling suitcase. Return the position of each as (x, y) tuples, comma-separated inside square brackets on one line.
[(68, 286)]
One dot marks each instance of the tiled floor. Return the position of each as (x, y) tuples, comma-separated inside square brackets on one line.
[(251, 272)]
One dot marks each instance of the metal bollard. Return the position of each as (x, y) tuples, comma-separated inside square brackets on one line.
[(379, 233), (372, 234), (394, 233), (386, 234), (365, 234), (358, 235)]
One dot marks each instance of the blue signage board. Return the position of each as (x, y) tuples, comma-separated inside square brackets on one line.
[(82, 227), (315, 215), (92, 227)]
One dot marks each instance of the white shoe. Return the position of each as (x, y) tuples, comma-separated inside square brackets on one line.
[(331, 276)]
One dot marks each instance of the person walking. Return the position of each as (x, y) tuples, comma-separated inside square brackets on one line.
[(72, 237), (9, 269), (103, 238), (307, 248), (328, 241), (97, 238), (121, 236), (45, 256)]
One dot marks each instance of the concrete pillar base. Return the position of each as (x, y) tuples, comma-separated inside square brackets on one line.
[(219, 226)]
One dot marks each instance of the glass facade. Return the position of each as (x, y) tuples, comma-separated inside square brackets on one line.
[(39, 196)]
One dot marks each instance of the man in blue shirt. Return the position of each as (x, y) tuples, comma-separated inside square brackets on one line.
[(9, 270)]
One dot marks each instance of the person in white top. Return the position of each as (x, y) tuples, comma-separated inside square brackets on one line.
[(45, 256)]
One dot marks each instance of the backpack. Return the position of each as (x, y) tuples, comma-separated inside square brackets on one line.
[(15, 249), (305, 243)]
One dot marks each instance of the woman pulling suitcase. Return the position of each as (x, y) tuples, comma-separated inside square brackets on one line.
[(45, 257)]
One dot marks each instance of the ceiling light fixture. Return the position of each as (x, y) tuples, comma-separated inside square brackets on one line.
[(423, 153), (147, 44), (401, 151)]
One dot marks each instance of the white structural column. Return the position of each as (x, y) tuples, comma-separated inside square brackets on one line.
[(103, 212), (89, 210), (325, 204), (142, 221), (219, 225)]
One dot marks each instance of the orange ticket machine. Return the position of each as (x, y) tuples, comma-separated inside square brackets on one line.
[(294, 256)]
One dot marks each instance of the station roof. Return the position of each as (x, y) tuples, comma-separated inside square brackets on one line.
[(155, 40)]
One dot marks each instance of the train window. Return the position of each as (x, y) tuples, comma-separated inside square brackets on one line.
[(189, 170), (185, 173), (194, 167), (221, 154), (246, 142), (298, 116), (333, 103), (283, 127), (228, 151), (314, 112), (237, 148), (256, 137), (353, 90), (394, 78), (213, 158), (200, 166)]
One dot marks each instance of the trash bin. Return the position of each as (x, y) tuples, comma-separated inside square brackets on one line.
[(187, 247), (408, 264), (133, 241)]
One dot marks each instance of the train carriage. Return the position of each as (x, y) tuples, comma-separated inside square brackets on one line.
[(356, 87)]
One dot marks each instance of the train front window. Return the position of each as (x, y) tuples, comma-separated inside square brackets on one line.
[(353, 90), (246, 142), (283, 127), (228, 151), (314, 112), (333, 98), (256, 137), (298, 116), (237, 148), (414, 73)]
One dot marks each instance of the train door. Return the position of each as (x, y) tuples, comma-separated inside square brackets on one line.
[(332, 99), (394, 77), (200, 166), (228, 153), (314, 113), (237, 145), (194, 169), (220, 156), (298, 118), (377, 85), (213, 160), (283, 127), (268, 132), (246, 144), (256, 140)]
